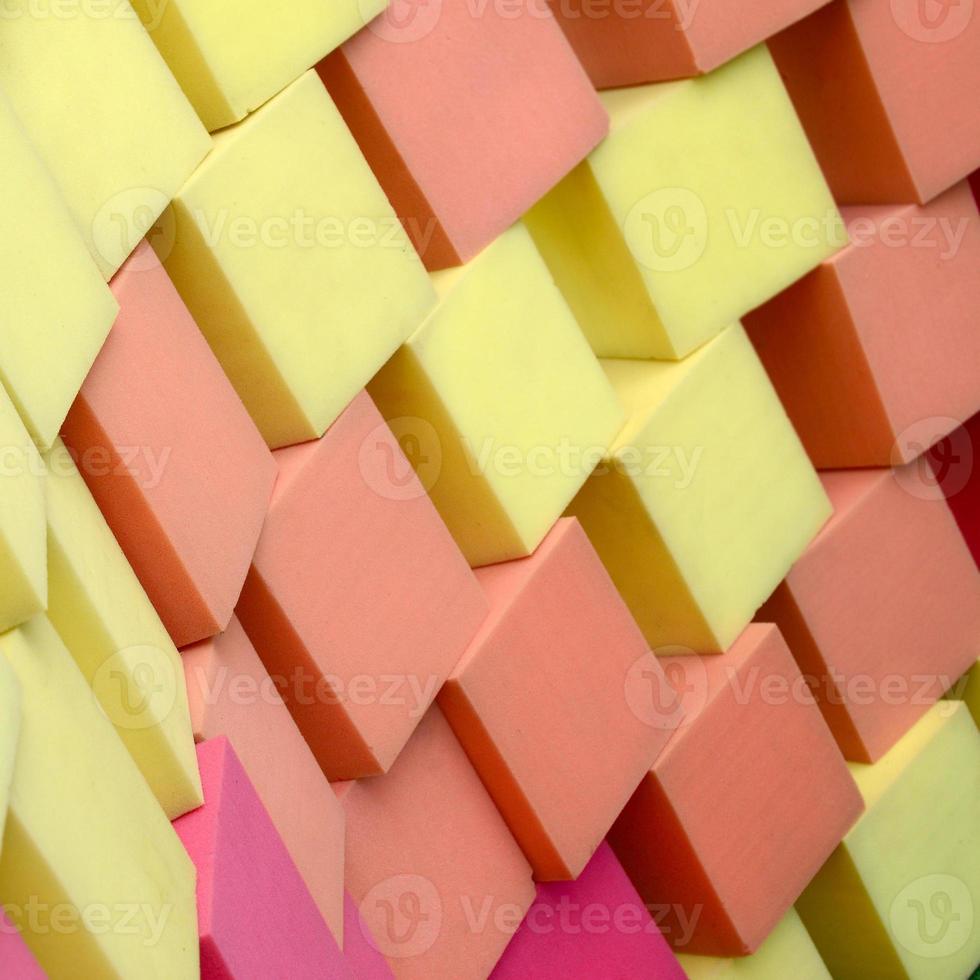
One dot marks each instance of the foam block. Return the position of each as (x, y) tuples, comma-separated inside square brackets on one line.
[(9, 733), (596, 926), (955, 466), (16, 960), (171, 456), (437, 877), (897, 898), (231, 694), (891, 568), (538, 701), (360, 948), (90, 863), (229, 60), (111, 629), (303, 285), (357, 601), (57, 310), (842, 344), (253, 908), (109, 119), (706, 498), (504, 404), (466, 115), (967, 689), (704, 202), (753, 763)]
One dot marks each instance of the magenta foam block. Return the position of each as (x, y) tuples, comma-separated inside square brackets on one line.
[(16, 960), (360, 947)]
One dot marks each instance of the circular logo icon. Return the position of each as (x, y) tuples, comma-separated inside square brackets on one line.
[(941, 455), (140, 212), (667, 230), (932, 21), (402, 21), (668, 688), (136, 687), (401, 459), (932, 917), (402, 916)]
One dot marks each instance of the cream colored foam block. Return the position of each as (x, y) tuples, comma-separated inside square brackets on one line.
[(706, 498), (304, 284), (91, 872), (500, 403), (704, 202), (56, 308), (898, 898), (109, 626), (9, 734), (967, 689), (105, 113)]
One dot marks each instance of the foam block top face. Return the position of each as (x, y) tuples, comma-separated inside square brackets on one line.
[(93, 842), (304, 284), (704, 202), (104, 82), (466, 115), (512, 408), (253, 908), (171, 456)]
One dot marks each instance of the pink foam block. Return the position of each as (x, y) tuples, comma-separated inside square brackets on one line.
[(256, 917), (16, 960), (744, 805), (357, 598), (170, 455), (436, 875), (360, 947), (230, 693), (955, 463), (467, 114), (540, 701), (882, 611)]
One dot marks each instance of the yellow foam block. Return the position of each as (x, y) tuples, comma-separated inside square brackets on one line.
[(9, 734), (899, 897), (967, 689), (499, 401), (91, 871), (704, 202), (109, 626), (706, 498), (106, 115), (56, 309), (290, 258), (230, 58)]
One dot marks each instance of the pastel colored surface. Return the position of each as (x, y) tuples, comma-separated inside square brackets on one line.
[(877, 87), (303, 285), (231, 694), (56, 309), (658, 242), (358, 601), (706, 498), (229, 60), (955, 463), (541, 701), (112, 631), (91, 846), (437, 877), (891, 568), (253, 908), (967, 689), (898, 897), (897, 305), (467, 115), (171, 456), (10, 714), (360, 947), (16, 960), (753, 763), (105, 114), (501, 401), (596, 926)]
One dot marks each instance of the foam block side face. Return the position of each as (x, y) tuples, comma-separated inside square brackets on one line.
[(9, 733), (92, 846), (954, 471), (360, 947), (16, 959)]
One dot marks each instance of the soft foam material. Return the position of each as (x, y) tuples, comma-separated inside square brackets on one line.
[(304, 284), (170, 455), (16, 960), (504, 404), (538, 701), (753, 763), (954, 467), (360, 947), (967, 689), (9, 734), (706, 498), (357, 596), (231, 694), (704, 202)]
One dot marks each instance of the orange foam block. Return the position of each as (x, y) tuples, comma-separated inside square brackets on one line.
[(16, 960), (360, 947), (541, 701), (170, 455), (955, 464), (882, 611), (358, 601), (230, 693), (467, 115), (437, 877), (747, 801), (256, 917), (886, 93), (875, 354)]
